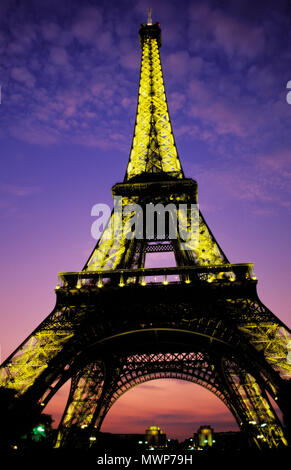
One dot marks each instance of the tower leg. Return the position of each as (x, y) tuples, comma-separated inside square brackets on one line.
[(258, 417), (86, 389)]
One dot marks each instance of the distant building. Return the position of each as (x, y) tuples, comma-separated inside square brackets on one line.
[(155, 437), (224, 441), (205, 436)]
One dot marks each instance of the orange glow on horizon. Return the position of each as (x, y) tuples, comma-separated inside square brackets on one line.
[(178, 407)]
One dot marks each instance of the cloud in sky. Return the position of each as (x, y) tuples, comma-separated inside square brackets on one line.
[(233, 34), (19, 190), (21, 74), (87, 24), (263, 183), (49, 86), (52, 68)]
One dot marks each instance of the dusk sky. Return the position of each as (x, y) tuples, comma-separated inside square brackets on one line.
[(69, 74)]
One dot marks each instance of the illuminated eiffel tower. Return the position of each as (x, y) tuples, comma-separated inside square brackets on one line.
[(117, 324)]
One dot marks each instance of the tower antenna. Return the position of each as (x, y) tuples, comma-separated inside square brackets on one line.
[(150, 21)]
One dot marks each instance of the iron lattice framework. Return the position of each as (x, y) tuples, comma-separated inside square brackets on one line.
[(153, 148), (117, 324)]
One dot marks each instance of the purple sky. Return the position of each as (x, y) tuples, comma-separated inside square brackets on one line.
[(69, 78)]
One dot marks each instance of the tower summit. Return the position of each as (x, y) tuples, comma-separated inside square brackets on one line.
[(150, 21), (153, 147)]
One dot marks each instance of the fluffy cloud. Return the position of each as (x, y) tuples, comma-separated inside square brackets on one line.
[(21, 74), (59, 56), (86, 27), (232, 34)]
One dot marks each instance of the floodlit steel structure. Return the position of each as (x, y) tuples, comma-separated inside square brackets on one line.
[(117, 324)]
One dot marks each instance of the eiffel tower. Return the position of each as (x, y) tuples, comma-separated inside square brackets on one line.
[(117, 324)]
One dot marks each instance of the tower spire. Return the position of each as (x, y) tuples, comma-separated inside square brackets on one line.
[(153, 147), (150, 21)]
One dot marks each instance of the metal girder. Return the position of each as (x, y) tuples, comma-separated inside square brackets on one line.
[(32, 357), (272, 339), (253, 406), (86, 390)]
